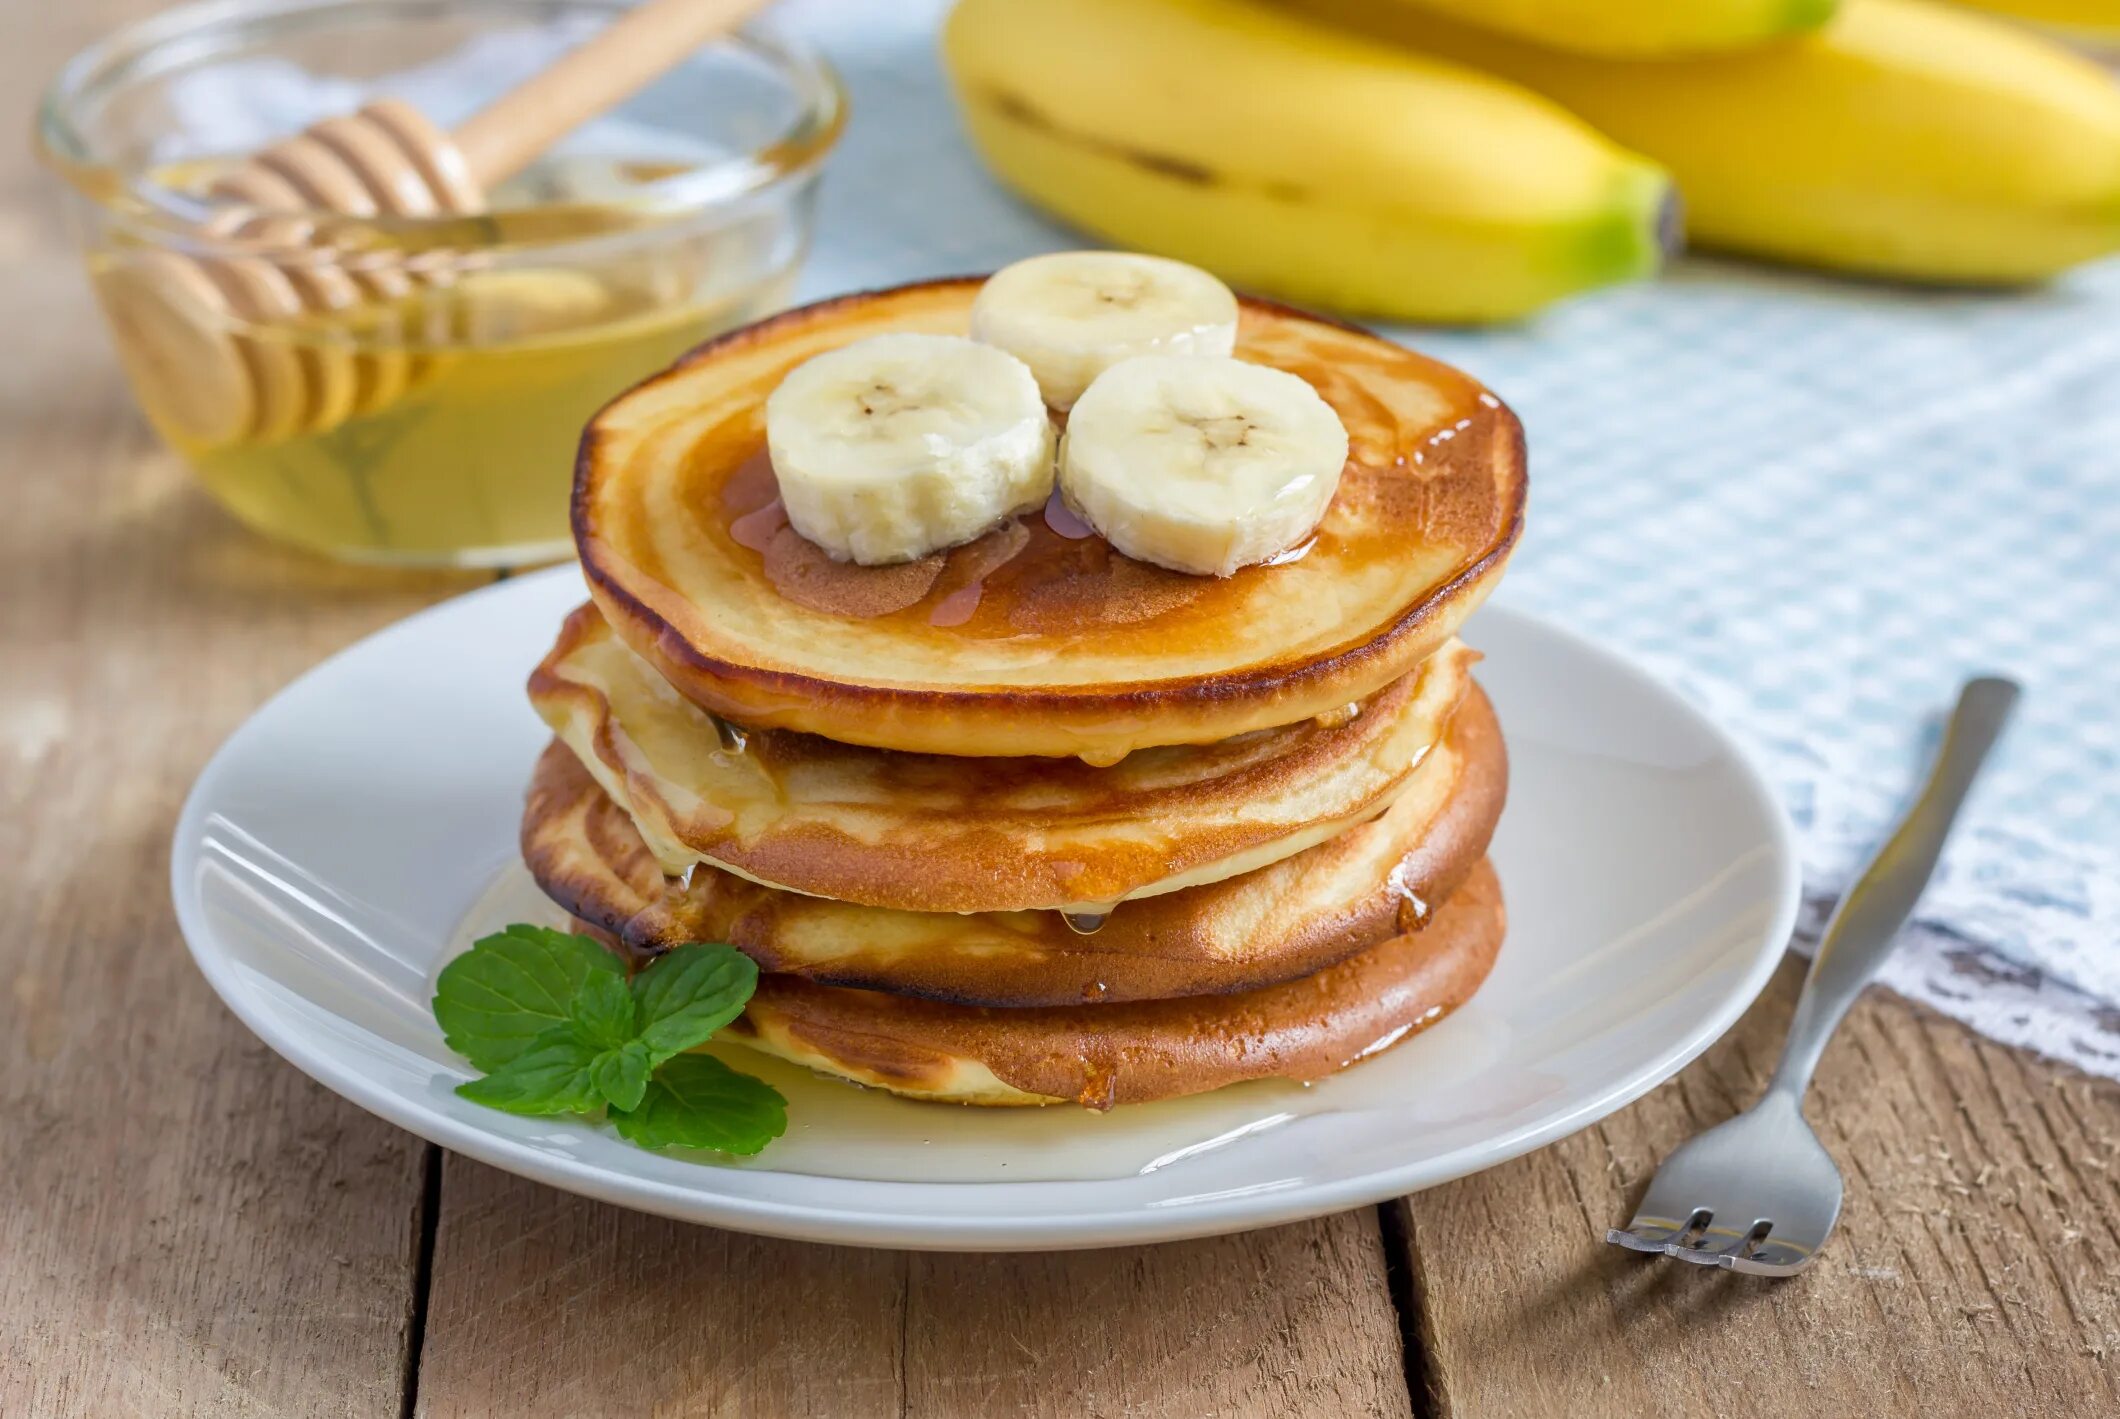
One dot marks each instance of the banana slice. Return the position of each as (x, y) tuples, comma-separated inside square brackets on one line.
[(1072, 315), (1201, 465), (900, 445)]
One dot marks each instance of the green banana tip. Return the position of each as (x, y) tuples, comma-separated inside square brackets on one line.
[(1800, 15)]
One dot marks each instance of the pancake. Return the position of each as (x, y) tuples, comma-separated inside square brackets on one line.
[(926, 832), (1037, 639), (1103, 1055), (1292, 918)]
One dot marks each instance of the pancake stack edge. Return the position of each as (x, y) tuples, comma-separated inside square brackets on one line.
[(1157, 917)]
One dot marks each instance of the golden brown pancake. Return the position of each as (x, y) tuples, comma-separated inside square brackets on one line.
[(927, 832), (1036, 640), (1102, 1055), (1301, 914)]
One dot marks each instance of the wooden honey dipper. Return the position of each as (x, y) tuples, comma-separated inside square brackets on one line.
[(174, 312)]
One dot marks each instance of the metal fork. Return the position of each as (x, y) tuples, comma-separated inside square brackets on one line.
[(1759, 1193)]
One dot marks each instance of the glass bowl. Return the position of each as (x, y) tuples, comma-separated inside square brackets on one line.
[(411, 390)]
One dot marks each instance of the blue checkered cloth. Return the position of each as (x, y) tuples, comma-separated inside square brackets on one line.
[(1811, 505)]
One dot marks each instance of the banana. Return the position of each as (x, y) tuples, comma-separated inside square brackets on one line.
[(900, 445), (2097, 21), (1200, 464), (1072, 314), (1638, 28), (1290, 158), (1903, 139)]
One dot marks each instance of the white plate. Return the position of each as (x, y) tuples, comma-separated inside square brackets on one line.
[(347, 837)]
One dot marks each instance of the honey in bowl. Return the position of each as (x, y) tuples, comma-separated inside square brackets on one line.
[(370, 264), (438, 424)]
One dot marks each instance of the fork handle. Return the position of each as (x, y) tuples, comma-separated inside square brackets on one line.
[(1862, 929)]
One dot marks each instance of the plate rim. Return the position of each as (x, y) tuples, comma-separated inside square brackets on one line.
[(938, 1229)]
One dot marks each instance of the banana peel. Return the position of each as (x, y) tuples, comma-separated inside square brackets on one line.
[(1903, 139), (1297, 160), (2094, 20), (1644, 28)]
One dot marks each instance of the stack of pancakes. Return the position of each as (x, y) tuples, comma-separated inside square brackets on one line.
[(1028, 821)]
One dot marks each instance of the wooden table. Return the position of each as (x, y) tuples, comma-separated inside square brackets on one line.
[(190, 1227)]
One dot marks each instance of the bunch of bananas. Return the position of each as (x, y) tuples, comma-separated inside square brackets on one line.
[(1471, 160)]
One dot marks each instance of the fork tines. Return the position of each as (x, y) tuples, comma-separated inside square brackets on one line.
[(1697, 1239)]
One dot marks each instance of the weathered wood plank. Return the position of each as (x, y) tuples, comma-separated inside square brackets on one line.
[(187, 1226), (549, 1305), (1976, 1269), (1292, 1321)]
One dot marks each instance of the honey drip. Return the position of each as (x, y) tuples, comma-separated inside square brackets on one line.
[(1292, 554), (676, 887), (734, 738), (1100, 1088), (756, 528), (1335, 718), (957, 607), (974, 563), (1062, 520), (1413, 909), (1085, 923)]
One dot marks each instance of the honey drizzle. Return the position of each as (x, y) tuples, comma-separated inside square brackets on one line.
[(1062, 520), (1066, 580), (1413, 909), (757, 528), (1100, 1087)]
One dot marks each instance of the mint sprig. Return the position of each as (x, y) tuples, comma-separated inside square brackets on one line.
[(556, 1075), (552, 1022), (689, 994), (696, 1101), (498, 998), (602, 1014)]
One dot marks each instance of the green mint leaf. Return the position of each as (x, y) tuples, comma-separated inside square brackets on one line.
[(621, 1075), (696, 1101), (499, 998), (555, 1075), (602, 1012), (688, 994)]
